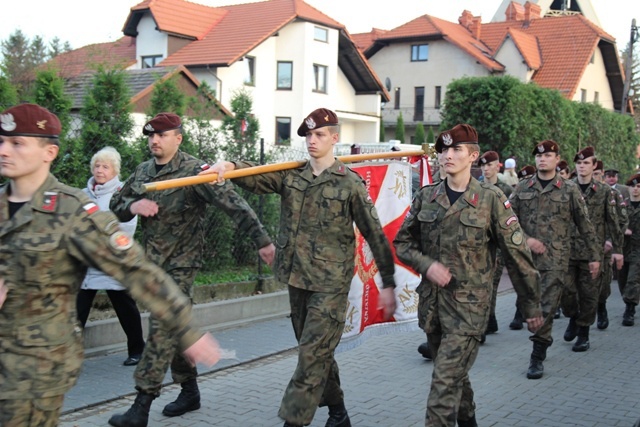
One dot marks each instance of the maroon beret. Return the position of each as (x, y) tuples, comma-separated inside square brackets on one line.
[(585, 153), (562, 165), (29, 120), (318, 119), (634, 180), (459, 134), (526, 171), (546, 146), (599, 165), (488, 157), (162, 122)]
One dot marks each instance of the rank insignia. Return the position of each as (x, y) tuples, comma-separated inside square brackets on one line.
[(49, 202)]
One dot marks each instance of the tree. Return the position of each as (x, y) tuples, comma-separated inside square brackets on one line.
[(8, 94), (48, 91), (205, 138), (431, 138), (400, 128), (419, 137), (241, 129)]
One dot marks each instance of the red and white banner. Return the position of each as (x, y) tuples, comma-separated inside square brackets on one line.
[(390, 187)]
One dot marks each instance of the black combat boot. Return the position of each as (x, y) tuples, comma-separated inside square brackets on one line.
[(603, 316), (188, 400), (492, 326), (582, 343), (137, 415), (538, 355), (572, 330), (471, 422), (338, 416), (516, 323), (629, 314), (558, 313), (425, 350)]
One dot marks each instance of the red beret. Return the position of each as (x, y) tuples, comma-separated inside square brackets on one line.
[(29, 120), (318, 119), (562, 165), (634, 180), (546, 146), (162, 122), (459, 134), (488, 157), (585, 153), (599, 165), (526, 171)]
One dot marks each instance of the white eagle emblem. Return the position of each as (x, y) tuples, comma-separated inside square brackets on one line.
[(540, 148), (581, 156), (149, 128), (447, 139), (8, 123), (311, 124)]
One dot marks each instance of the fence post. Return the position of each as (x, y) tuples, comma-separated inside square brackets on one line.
[(260, 284)]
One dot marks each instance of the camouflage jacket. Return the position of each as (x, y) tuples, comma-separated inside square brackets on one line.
[(46, 248), (464, 237), (632, 242), (602, 208), (316, 241), (548, 215), (174, 238)]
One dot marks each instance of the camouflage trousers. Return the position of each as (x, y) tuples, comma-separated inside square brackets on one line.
[(581, 294), (551, 289), (43, 412), (629, 280), (451, 395), (605, 280), (497, 275), (318, 322), (161, 349)]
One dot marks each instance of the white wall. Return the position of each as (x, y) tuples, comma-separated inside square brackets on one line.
[(512, 59), (595, 80), (150, 41)]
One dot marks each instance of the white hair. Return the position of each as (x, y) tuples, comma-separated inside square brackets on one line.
[(110, 155)]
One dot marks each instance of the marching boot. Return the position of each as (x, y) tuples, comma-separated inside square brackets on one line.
[(516, 323), (629, 314), (603, 316), (471, 422), (558, 313), (425, 350), (582, 343), (338, 416), (188, 400), (492, 326), (538, 355), (572, 330), (137, 415)]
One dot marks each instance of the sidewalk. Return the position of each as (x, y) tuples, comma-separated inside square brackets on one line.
[(386, 381)]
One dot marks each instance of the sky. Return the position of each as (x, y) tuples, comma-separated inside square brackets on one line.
[(83, 22)]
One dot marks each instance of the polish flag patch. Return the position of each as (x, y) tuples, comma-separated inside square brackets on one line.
[(91, 208), (507, 204)]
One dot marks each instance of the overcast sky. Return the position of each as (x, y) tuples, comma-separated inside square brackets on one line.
[(83, 22)]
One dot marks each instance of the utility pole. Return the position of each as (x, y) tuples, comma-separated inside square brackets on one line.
[(627, 72)]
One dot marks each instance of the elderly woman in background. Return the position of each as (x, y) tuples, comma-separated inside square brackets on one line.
[(105, 168)]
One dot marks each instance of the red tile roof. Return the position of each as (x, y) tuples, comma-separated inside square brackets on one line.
[(243, 27), (364, 40), (118, 54), (528, 46)]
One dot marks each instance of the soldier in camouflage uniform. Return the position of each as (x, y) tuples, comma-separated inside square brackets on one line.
[(580, 296), (315, 257), (629, 275), (450, 236), (607, 268), (489, 162), (548, 206), (49, 234), (172, 223)]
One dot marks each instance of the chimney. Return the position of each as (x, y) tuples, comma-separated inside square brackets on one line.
[(474, 27), (465, 19), (531, 11), (514, 12)]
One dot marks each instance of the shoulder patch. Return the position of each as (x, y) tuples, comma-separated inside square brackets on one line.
[(120, 241), (507, 204), (49, 201), (517, 237), (511, 220)]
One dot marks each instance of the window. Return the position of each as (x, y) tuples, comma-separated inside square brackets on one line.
[(596, 97), (285, 74), (583, 95), (320, 78), (249, 70), (321, 34), (150, 61), (396, 99), (438, 101), (283, 130), (419, 52), (418, 112)]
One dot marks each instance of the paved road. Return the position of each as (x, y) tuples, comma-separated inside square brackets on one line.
[(386, 381)]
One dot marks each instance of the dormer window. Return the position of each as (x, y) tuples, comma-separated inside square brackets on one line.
[(321, 34), (419, 52), (250, 70), (150, 61)]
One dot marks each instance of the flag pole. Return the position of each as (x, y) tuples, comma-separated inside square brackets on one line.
[(274, 167)]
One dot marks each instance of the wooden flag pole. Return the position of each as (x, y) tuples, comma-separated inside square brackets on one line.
[(256, 170)]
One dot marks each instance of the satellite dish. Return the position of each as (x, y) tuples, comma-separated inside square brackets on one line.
[(387, 84)]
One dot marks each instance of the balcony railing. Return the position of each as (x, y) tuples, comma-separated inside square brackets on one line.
[(411, 116)]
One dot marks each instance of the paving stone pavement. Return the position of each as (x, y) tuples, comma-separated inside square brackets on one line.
[(386, 381)]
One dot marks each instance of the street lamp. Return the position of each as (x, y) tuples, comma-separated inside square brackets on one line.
[(627, 75)]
